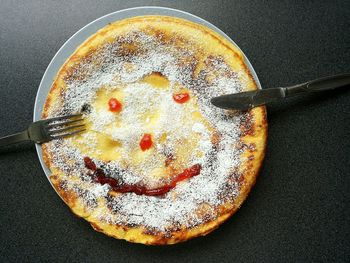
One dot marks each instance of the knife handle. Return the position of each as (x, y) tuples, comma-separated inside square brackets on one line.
[(322, 84)]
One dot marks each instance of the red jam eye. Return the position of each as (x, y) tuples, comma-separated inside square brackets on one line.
[(181, 97), (146, 142), (114, 105)]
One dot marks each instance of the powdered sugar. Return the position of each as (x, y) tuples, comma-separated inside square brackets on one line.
[(112, 70), (101, 118)]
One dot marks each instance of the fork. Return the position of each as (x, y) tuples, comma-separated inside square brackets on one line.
[(47, 130)]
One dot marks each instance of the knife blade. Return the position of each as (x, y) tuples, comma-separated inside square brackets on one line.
[(248, 99)]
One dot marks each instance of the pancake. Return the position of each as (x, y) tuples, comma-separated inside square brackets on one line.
[(157, 164)]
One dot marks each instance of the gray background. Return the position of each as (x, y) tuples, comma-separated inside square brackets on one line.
[(299, 209)]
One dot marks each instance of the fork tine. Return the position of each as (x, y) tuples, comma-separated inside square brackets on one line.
[(64, 135), (65, 129), (52, 125), (61, 118)]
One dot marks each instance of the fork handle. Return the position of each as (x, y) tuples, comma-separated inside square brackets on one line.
[(15, 138)]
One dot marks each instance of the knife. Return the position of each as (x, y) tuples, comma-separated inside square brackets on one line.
[(250, 99)]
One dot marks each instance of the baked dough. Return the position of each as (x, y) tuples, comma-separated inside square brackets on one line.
[(143, 62)]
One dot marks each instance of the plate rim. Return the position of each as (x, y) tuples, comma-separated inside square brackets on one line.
[(70, 45)]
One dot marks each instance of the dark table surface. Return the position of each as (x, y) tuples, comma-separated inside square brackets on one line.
[(299, 208)]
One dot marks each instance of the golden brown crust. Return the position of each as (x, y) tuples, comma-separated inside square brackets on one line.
[(253, 139)]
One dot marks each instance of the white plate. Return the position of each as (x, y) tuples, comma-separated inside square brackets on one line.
[(79, 37)]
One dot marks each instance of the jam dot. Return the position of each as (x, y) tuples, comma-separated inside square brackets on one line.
[(114, 105), (146, 142), (181, 97), (89, 163)]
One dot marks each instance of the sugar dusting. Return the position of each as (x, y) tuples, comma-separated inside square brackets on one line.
[(113, 67)]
